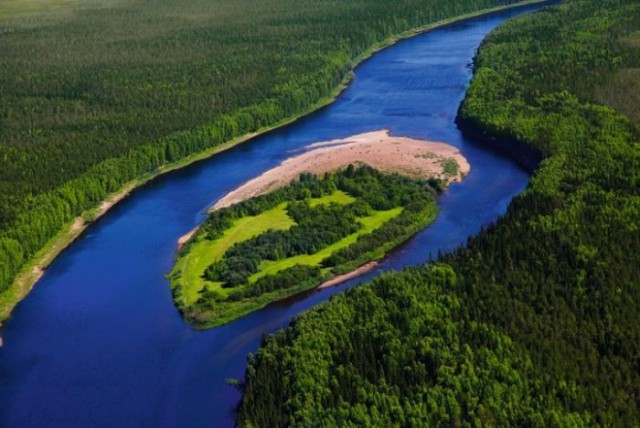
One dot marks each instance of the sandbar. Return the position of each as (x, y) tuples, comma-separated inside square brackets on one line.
[(378, 149)]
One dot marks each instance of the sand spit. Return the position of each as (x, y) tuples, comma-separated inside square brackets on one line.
[(339, 279), (416, 158), (185, 238)]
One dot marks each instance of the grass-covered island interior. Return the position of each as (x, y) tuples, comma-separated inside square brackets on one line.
[(347, 204)]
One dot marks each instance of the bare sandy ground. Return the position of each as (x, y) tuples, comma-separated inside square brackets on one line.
[(339, 279), (416, 158), (185, 238)]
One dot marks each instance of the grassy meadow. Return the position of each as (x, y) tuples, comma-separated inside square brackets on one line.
[(202, 252), (272, 246)]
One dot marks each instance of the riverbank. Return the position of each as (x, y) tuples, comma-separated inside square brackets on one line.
[(527, 157), (339, 279), (271, 246), (207, 302), (33, 270), (378, 149)]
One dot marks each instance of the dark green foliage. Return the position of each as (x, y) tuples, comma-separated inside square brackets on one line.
[(536, 321), (316, 228), (567, 254), (94, 98), (288, 278), (233, 270), (358, 253), (390, 192), (399, 352), (320, 226)]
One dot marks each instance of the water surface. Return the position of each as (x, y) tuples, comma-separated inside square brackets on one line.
[(99, 343)]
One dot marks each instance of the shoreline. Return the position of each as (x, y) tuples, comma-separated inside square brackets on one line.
[(526, 157), (412, 157), (35, 268), (339, 279), (186, 237)]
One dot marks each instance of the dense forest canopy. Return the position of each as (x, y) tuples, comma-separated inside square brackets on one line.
[(99, 93), (536, 321)]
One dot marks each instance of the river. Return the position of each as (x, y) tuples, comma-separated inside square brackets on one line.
[(99, 342)]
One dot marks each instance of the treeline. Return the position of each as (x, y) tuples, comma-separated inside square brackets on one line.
[(315, 229), (295, 276), (536, 321), (231, 292), (320, 226), (374, 245), (92, 100)]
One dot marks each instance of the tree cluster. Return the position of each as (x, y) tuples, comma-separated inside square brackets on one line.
[(536, 321), (315, 229), (316, 226), (92, 100), (319, 226)]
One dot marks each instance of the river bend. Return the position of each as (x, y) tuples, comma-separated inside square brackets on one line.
[(99, 342)]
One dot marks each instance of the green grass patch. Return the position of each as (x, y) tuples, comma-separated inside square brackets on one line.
[(369, 224), (279, 244), (202, 252), (15, 8), (338, 197), (40, 9), (450, 167)]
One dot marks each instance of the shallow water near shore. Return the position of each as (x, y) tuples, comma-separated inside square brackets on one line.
[(99, 342)]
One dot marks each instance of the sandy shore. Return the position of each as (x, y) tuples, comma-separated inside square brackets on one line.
[(412, 157), (339, 279), (185, 238), (29, 276), (416, 158), (32, 273)]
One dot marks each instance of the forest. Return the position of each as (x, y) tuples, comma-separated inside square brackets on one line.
[(96, 97), (535, 321), (292, 239)]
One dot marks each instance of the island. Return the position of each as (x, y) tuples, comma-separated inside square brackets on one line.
[(319, 218)]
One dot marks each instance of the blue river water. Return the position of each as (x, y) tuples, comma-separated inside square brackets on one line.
[(99, 342)]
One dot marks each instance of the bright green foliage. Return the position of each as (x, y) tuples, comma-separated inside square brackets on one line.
[(399, 352), (374, 221), (536, 321), (202, 252), (314, 229), (93, 98), (237, 262)]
